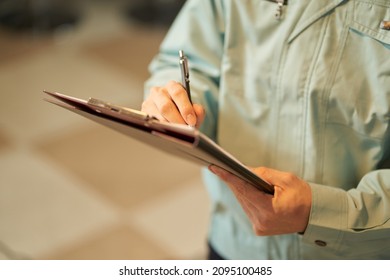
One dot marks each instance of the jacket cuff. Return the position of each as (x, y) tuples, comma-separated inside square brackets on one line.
[(328, 217)]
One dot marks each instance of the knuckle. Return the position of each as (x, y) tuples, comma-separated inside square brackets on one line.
[(176, 92), (154, 90), (289, 177), (171, 83), (144, 105), (165, 108), (172, 86), (262, 170)]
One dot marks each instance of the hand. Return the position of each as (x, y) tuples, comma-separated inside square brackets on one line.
[(287, 211), (171, 103)]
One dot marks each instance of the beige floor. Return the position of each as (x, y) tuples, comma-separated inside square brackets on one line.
[(71, 189)]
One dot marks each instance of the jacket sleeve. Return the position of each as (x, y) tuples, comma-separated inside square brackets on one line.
[(198, 31), (354, 223)]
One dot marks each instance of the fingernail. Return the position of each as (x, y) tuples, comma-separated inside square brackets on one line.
[(191, 119)]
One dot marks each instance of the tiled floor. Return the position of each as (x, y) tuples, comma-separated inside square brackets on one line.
[(69, 188)]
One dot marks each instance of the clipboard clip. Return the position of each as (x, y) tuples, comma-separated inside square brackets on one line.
[(98, 104)]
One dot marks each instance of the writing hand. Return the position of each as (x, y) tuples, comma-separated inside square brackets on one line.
[(171, 103)]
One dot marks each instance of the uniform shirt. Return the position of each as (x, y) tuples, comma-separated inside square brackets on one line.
[(307, 93)]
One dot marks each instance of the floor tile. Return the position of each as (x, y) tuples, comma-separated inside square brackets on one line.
[(23, 111), (122, 243), (123, 170), (72, 189), (43, 208), (18, 46), (5, 142), (130, 52), (178, 220)]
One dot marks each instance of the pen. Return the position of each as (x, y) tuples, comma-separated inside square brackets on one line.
[(185, 74)]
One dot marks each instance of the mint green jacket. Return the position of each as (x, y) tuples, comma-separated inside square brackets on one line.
[(308, 93)]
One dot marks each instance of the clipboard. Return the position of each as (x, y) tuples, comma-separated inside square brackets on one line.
[(175, 139)]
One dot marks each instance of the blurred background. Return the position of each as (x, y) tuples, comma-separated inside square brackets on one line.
[(70, 188)]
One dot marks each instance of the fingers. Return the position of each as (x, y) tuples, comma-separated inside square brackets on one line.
[(180, 98), (242, 189), (240, 186), (171, 103), (256, 204), (161, 105)]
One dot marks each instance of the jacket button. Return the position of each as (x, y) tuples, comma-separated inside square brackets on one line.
[(320, 243)]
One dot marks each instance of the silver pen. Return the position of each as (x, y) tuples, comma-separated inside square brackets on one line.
[(185, 74)]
